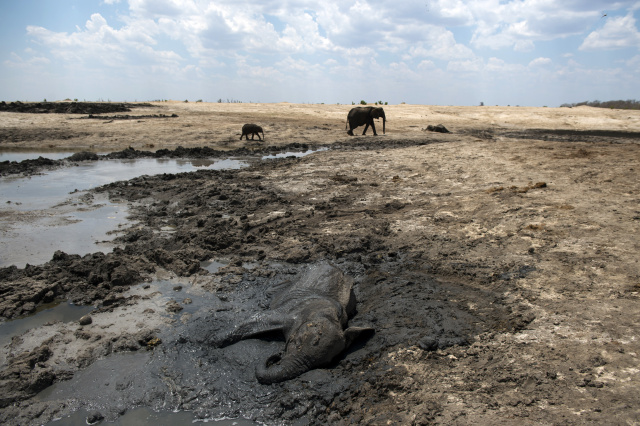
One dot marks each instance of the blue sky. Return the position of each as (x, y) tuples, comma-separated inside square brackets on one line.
[(435, 52)]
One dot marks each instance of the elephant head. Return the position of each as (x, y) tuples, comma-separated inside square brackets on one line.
[(318, 338), (379, 113)]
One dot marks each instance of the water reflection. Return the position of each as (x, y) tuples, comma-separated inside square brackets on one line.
[(39, 216), (213, 265), (292, 154), (33, 235), (64, 312)]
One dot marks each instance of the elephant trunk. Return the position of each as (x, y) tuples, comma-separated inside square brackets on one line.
[(277, 369)]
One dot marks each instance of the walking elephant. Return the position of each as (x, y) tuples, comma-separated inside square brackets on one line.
[(251, 129), (359, 116)]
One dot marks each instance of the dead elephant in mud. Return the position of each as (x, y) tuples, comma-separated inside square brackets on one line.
[(312, 314), (252, 129)]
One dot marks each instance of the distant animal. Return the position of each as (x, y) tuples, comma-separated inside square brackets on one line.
[(251, 129), (439, 128), (360, 116), (312, 313)]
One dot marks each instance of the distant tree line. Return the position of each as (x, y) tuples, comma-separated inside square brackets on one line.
[(628, 104)]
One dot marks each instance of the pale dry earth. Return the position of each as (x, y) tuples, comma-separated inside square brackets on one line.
[(534, 211)]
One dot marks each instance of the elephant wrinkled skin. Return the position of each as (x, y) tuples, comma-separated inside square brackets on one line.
[(363, 116), (312, 314)]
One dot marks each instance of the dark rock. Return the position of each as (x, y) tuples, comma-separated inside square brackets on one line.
[(94, 418), (439, 129), (83, 156)]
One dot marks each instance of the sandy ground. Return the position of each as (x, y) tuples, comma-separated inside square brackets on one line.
[(513, 238), (219, 125)]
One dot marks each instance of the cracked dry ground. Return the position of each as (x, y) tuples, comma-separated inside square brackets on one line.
[(534, 241), (546, 230)]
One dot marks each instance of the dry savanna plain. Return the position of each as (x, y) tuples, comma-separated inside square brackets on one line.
[(498, 263)]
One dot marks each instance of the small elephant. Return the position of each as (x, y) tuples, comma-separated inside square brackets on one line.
[(252, 129), (312, 314), (359, 116)]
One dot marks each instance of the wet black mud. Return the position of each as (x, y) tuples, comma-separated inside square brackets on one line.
[(186, 372), (410, 299), (566, 135), (476, 263)]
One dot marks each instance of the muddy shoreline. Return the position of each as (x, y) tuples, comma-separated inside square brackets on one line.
[(497, 267)]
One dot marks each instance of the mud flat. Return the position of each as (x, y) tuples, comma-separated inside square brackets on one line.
[(497, 263)]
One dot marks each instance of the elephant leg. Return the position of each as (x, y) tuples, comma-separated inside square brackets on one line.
[(350, 132), (365, 129), (373, 127)]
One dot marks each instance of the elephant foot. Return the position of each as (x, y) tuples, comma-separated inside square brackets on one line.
[(350, 132)]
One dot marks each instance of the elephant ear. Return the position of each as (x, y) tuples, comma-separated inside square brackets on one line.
[(352, 333)]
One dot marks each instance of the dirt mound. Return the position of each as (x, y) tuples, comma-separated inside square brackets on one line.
[(68, 107), (127, 117)]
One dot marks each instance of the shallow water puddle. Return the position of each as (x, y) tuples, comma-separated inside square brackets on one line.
[(75, 227), (112, 385), (213, 265), (52, 312), (45, 190), (38, 216), (292, 154), (120, 377)]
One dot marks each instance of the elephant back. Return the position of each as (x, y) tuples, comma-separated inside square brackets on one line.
[(318, 280)]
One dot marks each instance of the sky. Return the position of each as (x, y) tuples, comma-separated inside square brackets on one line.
[(430, 52)]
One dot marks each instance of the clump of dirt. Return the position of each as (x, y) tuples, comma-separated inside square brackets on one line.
[(517, 189), (126, 117)]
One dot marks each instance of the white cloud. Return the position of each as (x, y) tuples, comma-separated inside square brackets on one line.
[(98, 45), (426, 65), (540, 62), (470, 66), (16, 61), (518, 24), (298, 66), (618, 32), (229, 43), (634, 63), (438, 43)]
